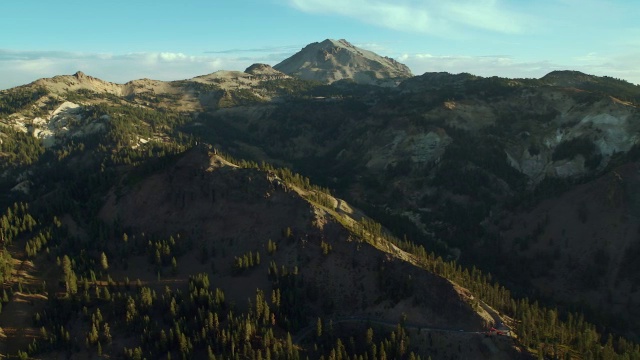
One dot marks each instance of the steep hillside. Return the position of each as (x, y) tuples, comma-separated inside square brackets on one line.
[(333, 60), (442, 157), (581, 246), (234, 211), (201, 255)]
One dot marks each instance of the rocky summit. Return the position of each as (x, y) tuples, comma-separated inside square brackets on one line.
[(333, 60)]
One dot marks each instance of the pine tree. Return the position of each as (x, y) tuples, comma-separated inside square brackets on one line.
[(103, 261), (174, 266)]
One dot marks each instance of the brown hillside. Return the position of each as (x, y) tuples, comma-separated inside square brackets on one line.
[(581, 247), (233, 211)]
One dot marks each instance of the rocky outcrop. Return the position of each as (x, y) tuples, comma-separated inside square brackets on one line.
[(607, 127), (264, 72), (64, 123), (415, 146), (79, 81)]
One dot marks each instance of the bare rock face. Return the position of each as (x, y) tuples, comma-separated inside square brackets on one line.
[(264, 72), (333, 60), (80, 75)]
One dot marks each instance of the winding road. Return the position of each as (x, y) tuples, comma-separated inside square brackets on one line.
[(499, 324)]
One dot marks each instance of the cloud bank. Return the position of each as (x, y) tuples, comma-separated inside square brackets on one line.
[(22, 67), (497, 65), (623, 66)]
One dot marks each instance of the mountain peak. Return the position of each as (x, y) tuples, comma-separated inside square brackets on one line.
[(567, 78), (262, 70), (337, 43), (332, 60)]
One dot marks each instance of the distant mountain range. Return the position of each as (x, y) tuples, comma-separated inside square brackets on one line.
[(533, 181)]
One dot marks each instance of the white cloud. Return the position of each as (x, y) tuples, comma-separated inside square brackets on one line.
[(485, 14), (498, 65), (623, 66), (260, 50), (22, 67), (446, 18), (392, 15), (375, 47)]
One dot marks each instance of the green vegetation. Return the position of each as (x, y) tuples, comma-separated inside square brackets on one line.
[(291, 86), (187, 322), (541, 328), (604, 85), (163, 252), (246, 261), (198, 321), (315, 194), (272, 247), (18, 148), (238, 97), (17, 99)]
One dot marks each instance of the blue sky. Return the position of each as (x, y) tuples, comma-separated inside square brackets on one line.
[(120, 40)]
